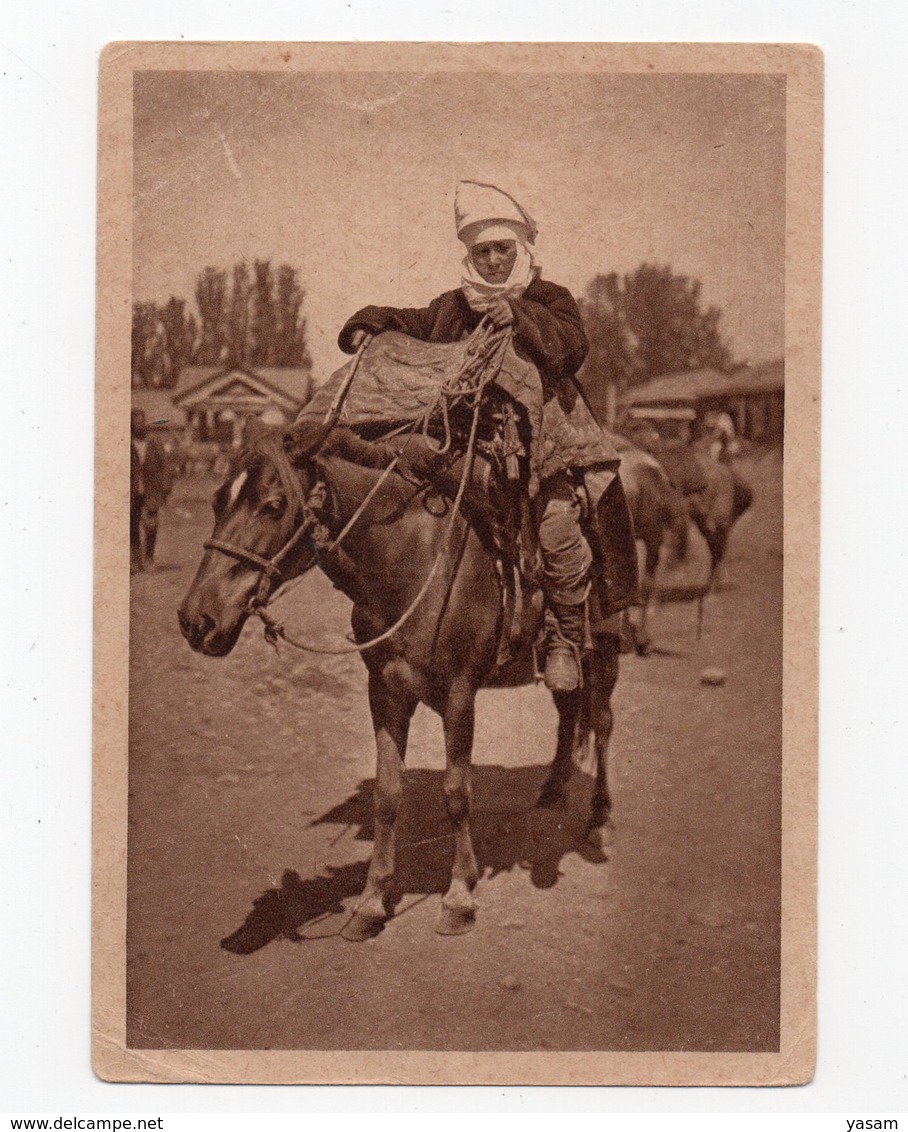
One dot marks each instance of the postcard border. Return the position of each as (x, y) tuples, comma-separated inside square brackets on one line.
[(794, 1063)]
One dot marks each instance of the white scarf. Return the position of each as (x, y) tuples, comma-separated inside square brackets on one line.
[(480, 294)]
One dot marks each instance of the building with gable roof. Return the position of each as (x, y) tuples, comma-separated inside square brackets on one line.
[(211, 404), (753, 396)]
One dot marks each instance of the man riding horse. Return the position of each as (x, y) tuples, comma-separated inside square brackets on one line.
[(501, 282)]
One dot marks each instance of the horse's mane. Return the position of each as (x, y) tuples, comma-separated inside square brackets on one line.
[(282, 450), (269, 450)]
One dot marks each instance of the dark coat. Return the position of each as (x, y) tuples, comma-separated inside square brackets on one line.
[(151, 482), (547, 331)]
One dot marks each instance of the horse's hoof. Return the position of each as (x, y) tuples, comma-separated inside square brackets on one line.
[(601, 836), (456, 921), (359, 928)]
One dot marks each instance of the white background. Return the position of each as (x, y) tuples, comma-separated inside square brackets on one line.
[(47, 164)]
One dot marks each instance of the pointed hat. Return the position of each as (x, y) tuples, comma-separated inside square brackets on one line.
[(477, 203)]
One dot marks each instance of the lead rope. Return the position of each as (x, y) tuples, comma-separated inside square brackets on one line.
[(275, 631)]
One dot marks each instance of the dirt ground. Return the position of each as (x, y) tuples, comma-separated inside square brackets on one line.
[(250, 830)]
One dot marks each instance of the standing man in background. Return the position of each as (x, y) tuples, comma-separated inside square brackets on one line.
[(150, 481)]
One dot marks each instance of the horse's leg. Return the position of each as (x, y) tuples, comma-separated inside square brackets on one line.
[(643, 641), (458, 906), (554, 789), (717, 542), (603, 677), (391, 715)]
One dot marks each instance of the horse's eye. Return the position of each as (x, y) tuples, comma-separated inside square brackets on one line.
[(273, 507)]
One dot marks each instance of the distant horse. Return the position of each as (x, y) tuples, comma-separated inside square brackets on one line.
[(440, 656), (660, 518), (716, 495), (718, 506)]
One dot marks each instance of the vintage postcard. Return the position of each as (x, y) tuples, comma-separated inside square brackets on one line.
[(456, 563)]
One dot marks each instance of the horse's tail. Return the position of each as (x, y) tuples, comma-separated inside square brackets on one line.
[(677, 525), (742, 496)]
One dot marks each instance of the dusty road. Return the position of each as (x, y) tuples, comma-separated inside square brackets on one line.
[(250, 830)]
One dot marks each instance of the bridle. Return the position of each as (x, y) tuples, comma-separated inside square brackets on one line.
[(471, 380), (270, 568)]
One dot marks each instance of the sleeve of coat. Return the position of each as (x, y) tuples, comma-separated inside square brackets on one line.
[(550, 331), (415, 321)]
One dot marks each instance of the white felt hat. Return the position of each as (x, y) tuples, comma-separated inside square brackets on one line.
[(477, 206)]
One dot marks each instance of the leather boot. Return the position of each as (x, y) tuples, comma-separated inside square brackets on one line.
[(564, 648)]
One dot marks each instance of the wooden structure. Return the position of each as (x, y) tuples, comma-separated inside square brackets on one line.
[(753, 396), (212, 404)]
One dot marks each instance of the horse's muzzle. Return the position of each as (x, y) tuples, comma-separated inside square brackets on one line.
[(204, 635)]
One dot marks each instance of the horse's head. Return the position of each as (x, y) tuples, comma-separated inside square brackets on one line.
[(252, 549)]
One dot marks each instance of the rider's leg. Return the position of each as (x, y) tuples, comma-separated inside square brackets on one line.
[(566, 559)]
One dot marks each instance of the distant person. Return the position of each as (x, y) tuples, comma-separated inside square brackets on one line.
[(721, 430), (253, 428), (150, 481)]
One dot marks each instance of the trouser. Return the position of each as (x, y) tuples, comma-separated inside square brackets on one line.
[(143, 533), (150, 532), (566, 555), (136, 552)]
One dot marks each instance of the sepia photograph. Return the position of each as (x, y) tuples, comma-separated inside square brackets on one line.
[(456, 551)]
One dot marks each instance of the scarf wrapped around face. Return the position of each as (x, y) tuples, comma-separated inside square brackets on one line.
[(481, 295)]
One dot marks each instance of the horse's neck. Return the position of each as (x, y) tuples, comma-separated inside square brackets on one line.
[(348, 486), (366, 540)]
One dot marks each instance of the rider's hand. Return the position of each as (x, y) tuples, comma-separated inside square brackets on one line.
[(500, 313), (357, 338)]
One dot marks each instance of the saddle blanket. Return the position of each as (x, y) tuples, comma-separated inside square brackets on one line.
[(400, 379)]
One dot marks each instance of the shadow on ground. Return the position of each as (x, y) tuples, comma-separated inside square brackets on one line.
[(508, 831)]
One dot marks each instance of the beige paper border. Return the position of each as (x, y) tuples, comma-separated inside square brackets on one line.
[(794, 1063)]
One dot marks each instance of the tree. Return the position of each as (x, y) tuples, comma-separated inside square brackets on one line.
[(144, 326), (256, 320), (647, 323), (612, 341), (290, 327), (179, 338), (238, 320), (163, 341), (263, 323), (210, 296)]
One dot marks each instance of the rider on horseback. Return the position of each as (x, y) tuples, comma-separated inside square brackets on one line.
[(501, 282)]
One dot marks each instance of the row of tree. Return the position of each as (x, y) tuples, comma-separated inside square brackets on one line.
[(640, 325), (252, 318)]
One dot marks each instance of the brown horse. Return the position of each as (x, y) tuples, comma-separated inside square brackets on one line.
[(718, 506), (439, 656), (660, 518), (715, 493)]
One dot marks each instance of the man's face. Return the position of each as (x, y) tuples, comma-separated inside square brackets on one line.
[(494, 259), (138, 426)]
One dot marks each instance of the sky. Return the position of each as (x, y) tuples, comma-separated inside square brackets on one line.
[(350, 178)]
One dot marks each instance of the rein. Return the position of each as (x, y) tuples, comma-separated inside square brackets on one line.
[(472, 379)]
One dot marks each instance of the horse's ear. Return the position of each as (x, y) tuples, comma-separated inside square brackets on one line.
[(304, 439)]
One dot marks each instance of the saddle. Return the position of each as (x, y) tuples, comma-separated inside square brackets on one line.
[(397, 391)]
